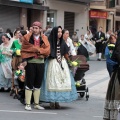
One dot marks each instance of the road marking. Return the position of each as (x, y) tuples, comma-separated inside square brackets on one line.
[(98, 82), (10, 111), (98, 116)]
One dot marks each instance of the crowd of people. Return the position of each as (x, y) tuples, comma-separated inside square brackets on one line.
[(35, 64)]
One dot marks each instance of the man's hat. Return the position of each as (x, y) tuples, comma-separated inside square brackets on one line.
[(36, 23)]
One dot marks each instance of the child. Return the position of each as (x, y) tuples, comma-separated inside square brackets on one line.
[(19, 80)]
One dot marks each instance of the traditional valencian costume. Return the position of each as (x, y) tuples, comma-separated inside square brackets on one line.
[(16, 47), (58, 84), (112, 103), (5, 67), (34, 49), (16, 57)]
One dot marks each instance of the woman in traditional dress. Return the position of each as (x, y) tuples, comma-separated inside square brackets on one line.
[(88, 35), (16, 56), (5, 59), (58, 85), (75, 37), (16, 35), (87, 44), (112, 103), (69, 42)]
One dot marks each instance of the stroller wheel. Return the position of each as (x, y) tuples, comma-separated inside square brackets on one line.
[(87, 94), (82, 94)]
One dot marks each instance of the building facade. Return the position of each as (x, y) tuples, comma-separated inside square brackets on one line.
[(105, 13), (14, 13), (70, 15)]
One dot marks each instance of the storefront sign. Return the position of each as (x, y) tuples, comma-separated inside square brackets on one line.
[(25, 1), (98, 14)]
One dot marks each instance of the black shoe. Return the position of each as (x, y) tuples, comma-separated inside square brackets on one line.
[(8, 90), (98, 59), (22, 101), (52, 105), (12, 92), (1, 89), (57, 105), (15, 96)]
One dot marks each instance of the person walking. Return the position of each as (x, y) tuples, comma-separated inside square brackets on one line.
[(99, 38), (35, 47)]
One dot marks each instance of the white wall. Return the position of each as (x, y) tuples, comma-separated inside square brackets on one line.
[(81, 15), (81, 22)]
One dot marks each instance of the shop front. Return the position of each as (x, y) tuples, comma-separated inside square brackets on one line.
[(70, 15), (97, 18), (14, 13)]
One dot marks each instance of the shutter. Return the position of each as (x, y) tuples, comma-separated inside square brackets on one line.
[(69, 18), (9, 17)]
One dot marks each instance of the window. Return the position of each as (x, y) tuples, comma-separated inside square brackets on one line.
[(51, 18)]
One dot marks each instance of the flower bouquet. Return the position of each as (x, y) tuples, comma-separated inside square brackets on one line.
[(18, 52), (111, 48), (102, 38), (74, 65), (77, 44), (20, 74), (77, 83)]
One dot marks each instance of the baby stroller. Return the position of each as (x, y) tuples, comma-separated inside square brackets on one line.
[(80, 82)]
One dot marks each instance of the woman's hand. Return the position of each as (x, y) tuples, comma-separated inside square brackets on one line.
[(24, 63), (40, 56), (4, 53)]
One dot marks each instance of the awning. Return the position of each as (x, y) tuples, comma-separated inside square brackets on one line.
[(23, 5), (98, 14)]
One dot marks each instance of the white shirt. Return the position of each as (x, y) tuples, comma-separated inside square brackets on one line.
[(71, 46)]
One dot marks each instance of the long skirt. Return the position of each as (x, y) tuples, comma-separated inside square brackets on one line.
[(58, 84), (5, 74), (113, 97)]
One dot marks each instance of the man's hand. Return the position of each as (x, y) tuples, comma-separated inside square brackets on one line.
[(98, 41)]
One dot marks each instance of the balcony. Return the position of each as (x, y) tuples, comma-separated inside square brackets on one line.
[(98, 4), (117, 5)]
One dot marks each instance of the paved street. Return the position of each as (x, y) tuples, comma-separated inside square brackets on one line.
[(97, 80)]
